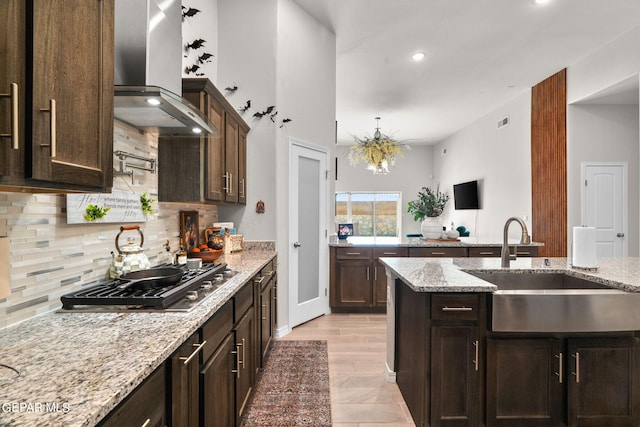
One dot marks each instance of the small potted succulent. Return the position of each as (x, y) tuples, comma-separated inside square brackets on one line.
[(428, 208)]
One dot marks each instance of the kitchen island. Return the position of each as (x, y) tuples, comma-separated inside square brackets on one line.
[(75, 368), (454, 369)]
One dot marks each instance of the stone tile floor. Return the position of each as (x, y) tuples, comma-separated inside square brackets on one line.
[(360, 395)]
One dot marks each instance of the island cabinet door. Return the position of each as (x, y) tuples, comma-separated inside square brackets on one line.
[(455, 376), (525, 382), (603, 382), (218, 386)]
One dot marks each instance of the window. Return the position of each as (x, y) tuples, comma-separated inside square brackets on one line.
[(374, 214)]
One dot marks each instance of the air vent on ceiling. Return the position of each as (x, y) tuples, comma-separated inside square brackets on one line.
[(503, 122)]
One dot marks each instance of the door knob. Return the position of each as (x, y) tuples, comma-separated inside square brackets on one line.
[(296, 244), (620, 234)]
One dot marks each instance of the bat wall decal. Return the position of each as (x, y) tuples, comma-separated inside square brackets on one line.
[(285, 121), (192, 69), (196, 44), (188, 13), (246, 107), (260, 114), (231, 88), (205, 57)]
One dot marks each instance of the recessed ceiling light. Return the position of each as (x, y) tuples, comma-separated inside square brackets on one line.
[(540, 1), (418, 56)]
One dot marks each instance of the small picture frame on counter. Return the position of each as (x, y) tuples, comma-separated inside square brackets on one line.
[(189, 232), (344, 231)]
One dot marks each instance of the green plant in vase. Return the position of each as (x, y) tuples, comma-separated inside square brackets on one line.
[(429, 205)]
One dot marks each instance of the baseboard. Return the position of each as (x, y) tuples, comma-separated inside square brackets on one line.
[(281, 332), (391, 375)]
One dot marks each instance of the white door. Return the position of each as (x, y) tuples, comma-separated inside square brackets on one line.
[(308, 210), (604, 206)]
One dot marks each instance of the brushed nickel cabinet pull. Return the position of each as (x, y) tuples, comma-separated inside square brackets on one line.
[(577, 372), (146, 423), (476, 344), (353, 253), (243, 346), (264, 308), (375, 273), (560, 363), (15, 123), (52, 126), (237, 370), (438, 253), (487, 253), (242, 188), (463, 308), (198, 347), (260, 280), (368, 273), (389, 253)]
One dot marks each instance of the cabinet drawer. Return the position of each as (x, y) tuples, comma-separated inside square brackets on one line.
[(485, 252), (438, 252), (144, 406), (527, 251), (390, 252), (216, 329), (353, 253), (454, 307), (243, 300)]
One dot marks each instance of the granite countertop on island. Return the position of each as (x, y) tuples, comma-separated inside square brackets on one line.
[(450, 274), (76, 367), (464, 242)]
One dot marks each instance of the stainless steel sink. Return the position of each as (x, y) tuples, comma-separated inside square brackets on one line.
[(556, 302)]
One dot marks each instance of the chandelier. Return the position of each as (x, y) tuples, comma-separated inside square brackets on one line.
[(378, 152)]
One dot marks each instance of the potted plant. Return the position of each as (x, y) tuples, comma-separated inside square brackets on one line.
[(428, 208)]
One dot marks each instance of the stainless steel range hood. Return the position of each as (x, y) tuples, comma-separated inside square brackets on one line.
[(148, 70)]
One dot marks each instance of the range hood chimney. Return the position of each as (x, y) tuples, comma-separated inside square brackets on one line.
[(148, 70)]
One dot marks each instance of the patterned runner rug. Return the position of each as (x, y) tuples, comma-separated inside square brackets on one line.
[(293, 388)]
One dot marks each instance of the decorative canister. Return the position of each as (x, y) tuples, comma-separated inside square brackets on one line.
[(431, 227)]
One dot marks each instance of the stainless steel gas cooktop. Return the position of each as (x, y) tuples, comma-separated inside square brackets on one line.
[(193, 288)]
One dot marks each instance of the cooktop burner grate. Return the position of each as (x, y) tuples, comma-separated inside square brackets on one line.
[(108, 293)]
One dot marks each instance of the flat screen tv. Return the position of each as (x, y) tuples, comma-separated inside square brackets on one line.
[(465, 195)]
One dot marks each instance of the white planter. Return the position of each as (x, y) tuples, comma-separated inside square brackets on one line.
[(431, 227)]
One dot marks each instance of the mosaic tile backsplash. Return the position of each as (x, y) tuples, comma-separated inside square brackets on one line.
[(48, 257)]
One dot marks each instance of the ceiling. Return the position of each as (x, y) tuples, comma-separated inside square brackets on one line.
[(480, 54)]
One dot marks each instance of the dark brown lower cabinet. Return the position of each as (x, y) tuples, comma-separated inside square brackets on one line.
[(145, 406), (245, 371), (185, 384), (523, 383), (577, 382), (455, 376), (603, 378), (219, 384)]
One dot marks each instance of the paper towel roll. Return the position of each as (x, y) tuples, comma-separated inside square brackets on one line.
[(584, 247)]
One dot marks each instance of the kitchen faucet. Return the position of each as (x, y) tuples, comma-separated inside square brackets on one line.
[(524, 240)]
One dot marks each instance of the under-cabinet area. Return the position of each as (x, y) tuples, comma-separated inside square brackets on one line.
[(454, 369), (211, 168)]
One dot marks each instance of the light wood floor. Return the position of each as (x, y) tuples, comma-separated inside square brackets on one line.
[(360, 395)]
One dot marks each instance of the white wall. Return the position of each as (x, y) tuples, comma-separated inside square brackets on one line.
[(590, 128), (247, 58), (277, 55), (203, 25), (411, 172), (603, 133), (500, 159), (306, 94)]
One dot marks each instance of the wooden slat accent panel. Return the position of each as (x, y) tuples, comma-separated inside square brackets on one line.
[(549, 164)]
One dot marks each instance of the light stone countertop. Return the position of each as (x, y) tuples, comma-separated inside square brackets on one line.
[(448, 274), (87, 363), (465, 242)]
